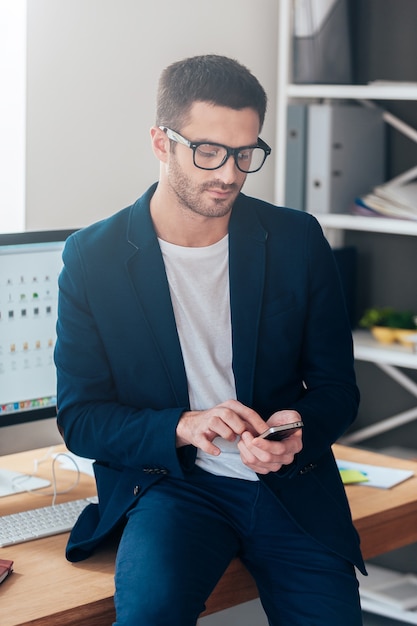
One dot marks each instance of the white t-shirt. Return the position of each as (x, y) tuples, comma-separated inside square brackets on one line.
[(199, 287)]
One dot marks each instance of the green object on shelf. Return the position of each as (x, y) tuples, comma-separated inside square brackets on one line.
[(389, 317)]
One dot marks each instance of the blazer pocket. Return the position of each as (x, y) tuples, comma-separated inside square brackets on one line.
[(280, 304)]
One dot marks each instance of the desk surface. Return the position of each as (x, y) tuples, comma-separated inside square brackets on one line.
[(46, 590)]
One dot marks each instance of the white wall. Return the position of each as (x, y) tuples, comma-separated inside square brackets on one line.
[(93, 67), (12, 114)]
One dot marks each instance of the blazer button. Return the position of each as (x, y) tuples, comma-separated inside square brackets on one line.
[(155, 470), (136, 490), (308, 468)]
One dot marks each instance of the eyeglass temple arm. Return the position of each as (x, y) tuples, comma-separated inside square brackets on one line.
[(171, 134)]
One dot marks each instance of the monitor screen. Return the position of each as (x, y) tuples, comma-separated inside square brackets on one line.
[(30, 263)]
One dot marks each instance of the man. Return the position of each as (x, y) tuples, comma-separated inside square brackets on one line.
[(188, 324)]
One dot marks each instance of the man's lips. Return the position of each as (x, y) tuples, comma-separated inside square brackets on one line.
[(221, 192)]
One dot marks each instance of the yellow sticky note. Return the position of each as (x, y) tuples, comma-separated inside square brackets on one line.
[(350, 476)]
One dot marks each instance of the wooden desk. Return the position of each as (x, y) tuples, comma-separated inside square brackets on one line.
[(46, 590), (385, 519)]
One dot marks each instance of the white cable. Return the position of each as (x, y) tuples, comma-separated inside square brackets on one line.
[(20, 478)]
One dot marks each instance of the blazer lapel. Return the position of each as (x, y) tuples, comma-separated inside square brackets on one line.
[(247, 253), (149, 281)]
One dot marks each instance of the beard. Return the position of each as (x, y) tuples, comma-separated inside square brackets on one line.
[(191, 196)]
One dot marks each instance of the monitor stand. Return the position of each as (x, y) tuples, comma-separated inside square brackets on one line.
[(16, 482)]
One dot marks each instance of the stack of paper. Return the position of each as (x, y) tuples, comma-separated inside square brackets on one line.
[(397, 201), (372, 475)]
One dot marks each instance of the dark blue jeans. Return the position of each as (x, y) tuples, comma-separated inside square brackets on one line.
[(182, 534)]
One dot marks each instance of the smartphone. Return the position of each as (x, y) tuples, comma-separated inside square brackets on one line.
[(277, 433)]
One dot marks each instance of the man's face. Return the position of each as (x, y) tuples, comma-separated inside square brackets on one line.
[(211, 193)]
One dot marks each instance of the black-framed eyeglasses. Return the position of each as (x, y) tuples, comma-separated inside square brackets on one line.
[(211, 156)]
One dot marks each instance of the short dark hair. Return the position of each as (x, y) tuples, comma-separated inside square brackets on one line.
[(209, 78)]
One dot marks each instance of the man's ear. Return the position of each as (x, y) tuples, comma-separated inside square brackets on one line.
[(160, 143)]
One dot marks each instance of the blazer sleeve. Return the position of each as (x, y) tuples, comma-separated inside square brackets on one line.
[(330, 399)]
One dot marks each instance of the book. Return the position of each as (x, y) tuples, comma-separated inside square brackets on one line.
[(6, 568), (395, 201)]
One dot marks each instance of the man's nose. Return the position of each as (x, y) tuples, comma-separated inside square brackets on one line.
[(228, 171)]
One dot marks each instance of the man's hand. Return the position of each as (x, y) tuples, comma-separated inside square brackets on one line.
[(227, 420), (265, 456)]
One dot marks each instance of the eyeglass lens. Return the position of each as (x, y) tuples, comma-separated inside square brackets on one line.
[(210, 157)]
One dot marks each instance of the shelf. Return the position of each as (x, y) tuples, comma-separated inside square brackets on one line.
[(386, 91), (368, 349), (369, 224), (379, 608)]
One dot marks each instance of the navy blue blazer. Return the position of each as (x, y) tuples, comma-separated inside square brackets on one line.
[(122, 385)]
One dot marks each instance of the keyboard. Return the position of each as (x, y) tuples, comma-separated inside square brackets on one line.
[(42, 522)]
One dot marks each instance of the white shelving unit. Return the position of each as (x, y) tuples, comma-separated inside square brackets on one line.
[(389, 359), (287, 91), (387, 91), (368, 349), (392, 358)]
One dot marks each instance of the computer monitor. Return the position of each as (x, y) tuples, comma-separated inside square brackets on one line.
[(30, 263)]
